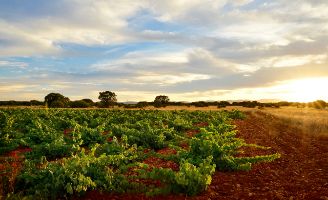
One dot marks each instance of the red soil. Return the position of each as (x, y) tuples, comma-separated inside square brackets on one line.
[(132, 172), (167, 151), (68, 131), (192, 133), (155, 162), (94, 194), (201, 124), (146, 150), (17, 153), (184, 145), (105, 132), (11, 167), (2, 167)]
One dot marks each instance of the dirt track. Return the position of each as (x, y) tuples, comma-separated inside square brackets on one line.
[(300, 173)]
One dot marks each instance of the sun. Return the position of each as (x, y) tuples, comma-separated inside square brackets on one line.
[(306, 90)]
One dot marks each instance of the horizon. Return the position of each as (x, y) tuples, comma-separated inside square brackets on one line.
[(222, 100), (188, 50)]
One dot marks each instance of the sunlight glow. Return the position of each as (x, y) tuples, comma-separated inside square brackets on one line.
[(305, 90)]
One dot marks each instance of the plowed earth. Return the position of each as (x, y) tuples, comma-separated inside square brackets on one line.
[(300, 173), (10, 166)]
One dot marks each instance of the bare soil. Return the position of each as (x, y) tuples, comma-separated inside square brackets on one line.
[(300, 173)]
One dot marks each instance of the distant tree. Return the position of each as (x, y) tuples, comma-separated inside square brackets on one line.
[(200, 104), (79, 104), (223, 104), (142, 104), (107, 98), (36, 103), (89, 101), (249, 104), (284, 103), (83, 103), (318, 104), (56, 100), (161, 101)]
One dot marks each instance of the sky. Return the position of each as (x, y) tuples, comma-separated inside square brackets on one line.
[(190, 50)]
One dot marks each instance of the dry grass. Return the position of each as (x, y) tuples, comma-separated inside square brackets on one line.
[(311, 121)]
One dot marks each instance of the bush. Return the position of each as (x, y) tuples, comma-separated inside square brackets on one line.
[(319, 104), (79, 104), (200, 104)]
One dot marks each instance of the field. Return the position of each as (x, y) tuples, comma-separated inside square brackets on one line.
[(309, 120), (164, 154), (65, 153)]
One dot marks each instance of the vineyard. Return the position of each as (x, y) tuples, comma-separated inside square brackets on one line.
[(64, 153)]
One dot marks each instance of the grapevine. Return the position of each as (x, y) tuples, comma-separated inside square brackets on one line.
[(71, 152)]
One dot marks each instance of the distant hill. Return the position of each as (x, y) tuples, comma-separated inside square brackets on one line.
[(269, 100), (130, 102), (261, 100)]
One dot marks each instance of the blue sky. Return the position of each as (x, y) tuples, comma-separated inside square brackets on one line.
[(189, 50)]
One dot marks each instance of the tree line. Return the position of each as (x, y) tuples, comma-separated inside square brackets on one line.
[(108, 99)]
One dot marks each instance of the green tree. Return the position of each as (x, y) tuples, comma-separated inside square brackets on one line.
[(79, 104), (161, 101), (56, 100), (223, 104), (142, 104), (88, 101), (107, 98), (83, 103), (36, 103)]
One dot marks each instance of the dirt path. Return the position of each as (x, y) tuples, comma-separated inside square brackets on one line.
[(300, 173)]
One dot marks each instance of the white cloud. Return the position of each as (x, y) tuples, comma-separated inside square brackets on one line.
[(289, 61), (106, 22), (153, 56), (144, 62), (13, 87), (175, 10), (298, 61), (261, 31), (5, 63), (84, 22), (167, 79)]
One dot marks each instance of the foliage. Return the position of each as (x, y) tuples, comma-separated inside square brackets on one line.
[(319, 104), (161, 101), (36, 103), (56, 100), (142, 104), (79, 104), (192, 179), (76, 150), (88, 101), (200, 104), (107, 98)]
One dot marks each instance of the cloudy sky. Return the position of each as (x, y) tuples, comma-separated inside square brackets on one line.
[(187, 49)]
